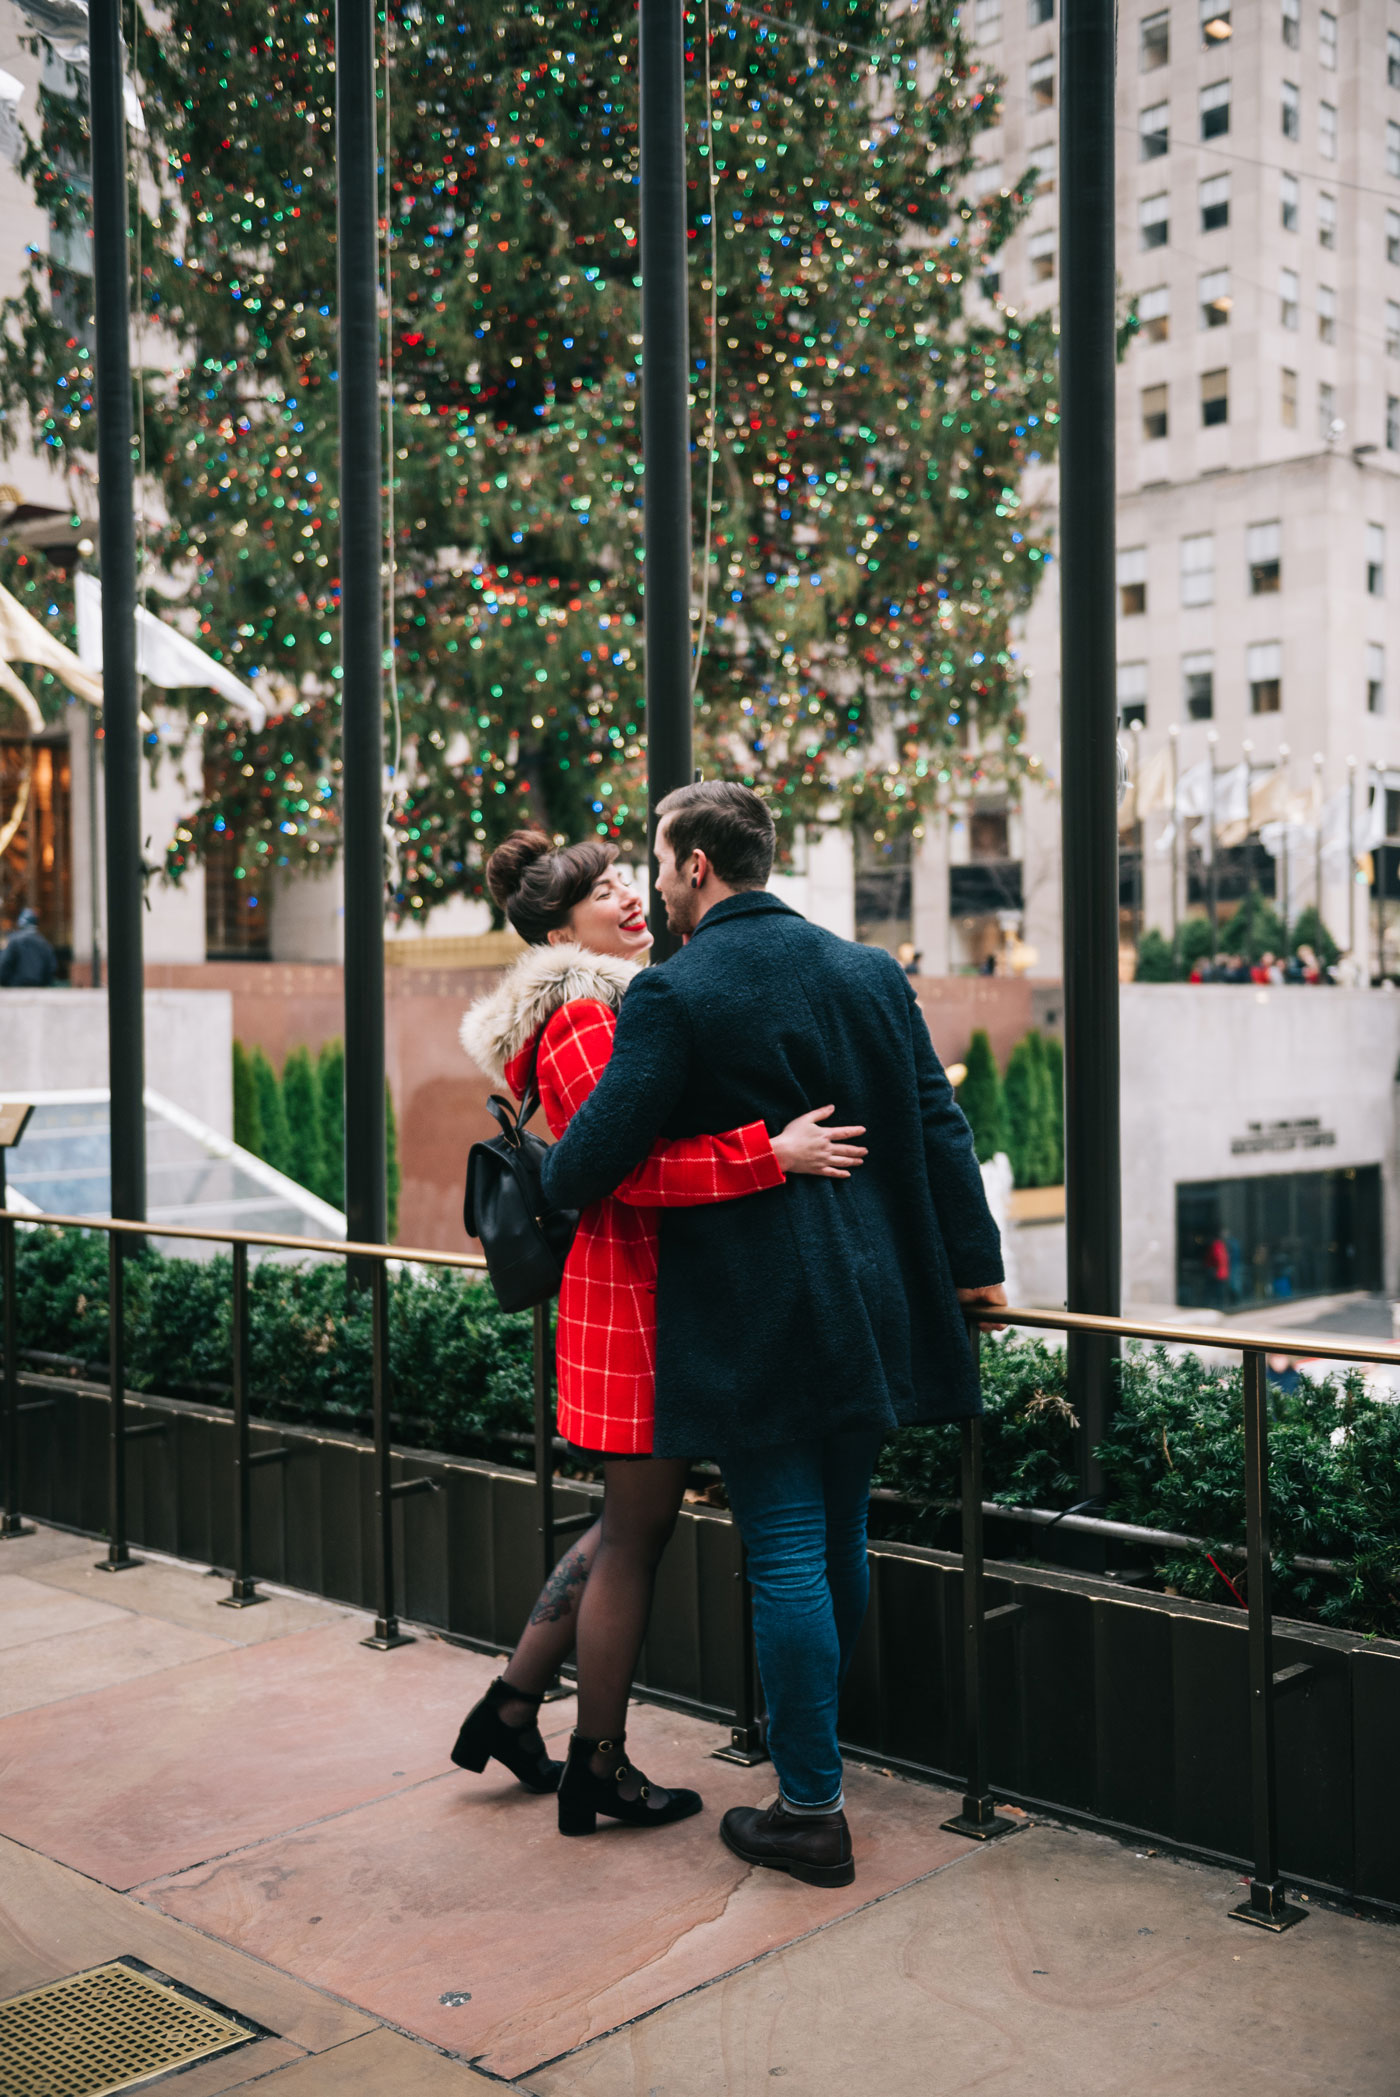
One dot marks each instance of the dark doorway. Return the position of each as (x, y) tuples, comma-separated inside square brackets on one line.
[(1266, 1240)]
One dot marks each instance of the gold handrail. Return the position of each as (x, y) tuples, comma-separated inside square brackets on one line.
[(339, 1246)]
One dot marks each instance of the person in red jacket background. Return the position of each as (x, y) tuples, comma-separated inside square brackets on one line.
[(550, 1023)]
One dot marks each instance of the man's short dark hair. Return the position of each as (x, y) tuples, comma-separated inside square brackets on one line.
[(728, 823)]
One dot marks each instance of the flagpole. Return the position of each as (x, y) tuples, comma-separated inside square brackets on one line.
[(1317, 834), (1351, 860), (1287, 856), (1251, 862), (1212, 886), (1176, 827), (1140, 835)]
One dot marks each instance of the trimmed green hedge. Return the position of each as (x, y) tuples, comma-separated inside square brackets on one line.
[(462, 1370)]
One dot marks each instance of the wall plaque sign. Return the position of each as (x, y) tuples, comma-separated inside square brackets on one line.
[(1306, 1133)]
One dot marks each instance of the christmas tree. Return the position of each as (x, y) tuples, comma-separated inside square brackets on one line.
[(860, 424)]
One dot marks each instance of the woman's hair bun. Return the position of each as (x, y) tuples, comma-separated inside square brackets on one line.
[(512, 860)]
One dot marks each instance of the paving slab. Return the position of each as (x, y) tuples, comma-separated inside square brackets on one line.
[(381, 2065), (39, 1545), (181, 1594), (1050, 1964), (53, 1922), (458, 1912), (153, 1776), (29, 1610), (80, 1661)]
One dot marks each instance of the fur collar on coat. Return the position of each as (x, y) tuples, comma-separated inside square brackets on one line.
[(498, 1026)]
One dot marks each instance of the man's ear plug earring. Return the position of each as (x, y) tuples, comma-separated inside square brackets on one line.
[(695, 880)]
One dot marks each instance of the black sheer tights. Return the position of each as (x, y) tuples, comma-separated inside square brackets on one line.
[(598, 1598)]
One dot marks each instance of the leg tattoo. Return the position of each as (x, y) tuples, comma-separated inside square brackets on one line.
[(559, 1596)]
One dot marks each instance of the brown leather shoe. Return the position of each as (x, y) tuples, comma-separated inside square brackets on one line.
[(815, 1848)]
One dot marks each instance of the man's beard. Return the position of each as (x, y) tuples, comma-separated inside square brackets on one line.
[(682, 913)]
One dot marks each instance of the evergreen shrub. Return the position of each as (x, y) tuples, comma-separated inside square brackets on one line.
[(1309, 930), (981, 1099), (1156, 963), (463, 1379)]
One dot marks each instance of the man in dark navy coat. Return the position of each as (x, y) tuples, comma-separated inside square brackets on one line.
[(799, 1326)]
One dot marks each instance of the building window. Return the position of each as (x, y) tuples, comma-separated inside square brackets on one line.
[(1152, 132), (1215, 21), (1198, 569), (1214, 289), (1154, 412), (1288, 202), (1040, 79), (986, 181), (1154, 314), (1375, 678), (1392, 236), (1264, 662), (986, 21), (1327, 40), (1198, 686), (1291, 122), (1042, 254), (1132, 694), (1392, 423), (1328, 427), (1262, 545), (1038, 11), (1288, 297), (1288, 399), (991, 283), (1152, 222), (1215, 205), (1327, 130), (1392, 328), (1392, 149), (1043, 161), (1215, 109), (1291, 12), (1215, 398), (1326, 313), (1326, 220), (1392, 58), (1154, 42), (1132, 581), (1375, 560)]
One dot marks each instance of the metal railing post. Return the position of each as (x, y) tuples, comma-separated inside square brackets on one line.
[(748, 1736), (243, 1593), (979, 1817), (118, 1558), (386, 1624), (544, 1441), (1265, 1906), (10, 1523)]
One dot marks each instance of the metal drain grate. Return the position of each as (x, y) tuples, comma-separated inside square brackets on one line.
[(106, 2030)]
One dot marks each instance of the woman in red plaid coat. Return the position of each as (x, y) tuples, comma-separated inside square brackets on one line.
[(550, 1023)]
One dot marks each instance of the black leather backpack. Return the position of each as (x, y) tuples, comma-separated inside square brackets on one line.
[(525, 1241)]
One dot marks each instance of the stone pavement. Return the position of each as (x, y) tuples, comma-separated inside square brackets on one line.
[(253, 1803)]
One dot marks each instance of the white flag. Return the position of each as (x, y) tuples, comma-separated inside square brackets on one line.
[(162, 654)]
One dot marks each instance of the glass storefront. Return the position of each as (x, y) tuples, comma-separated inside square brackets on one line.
[(1280, 1235)]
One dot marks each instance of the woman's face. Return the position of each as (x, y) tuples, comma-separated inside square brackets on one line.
[(609, 920)]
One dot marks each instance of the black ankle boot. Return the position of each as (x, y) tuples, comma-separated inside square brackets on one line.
[(583, 1796), (485, 1736)]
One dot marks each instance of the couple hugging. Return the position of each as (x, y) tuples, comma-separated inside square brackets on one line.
[(779, 1302)]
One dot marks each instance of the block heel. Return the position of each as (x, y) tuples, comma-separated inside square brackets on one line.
[(485, 1737), (583, 1796)]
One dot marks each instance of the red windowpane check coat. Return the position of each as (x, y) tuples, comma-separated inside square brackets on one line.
[(606, 1329)]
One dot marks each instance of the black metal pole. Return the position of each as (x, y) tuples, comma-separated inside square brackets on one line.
[(10, 1523), (979, 1817), (243, 1594), (121, 740), (1265, 1904), (387, 1633), (118, 1557), (544, 1440), (361, 626), (1089, 744), (665, 410), (748, 1736)]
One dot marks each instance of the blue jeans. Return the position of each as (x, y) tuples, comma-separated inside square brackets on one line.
[(801, 1509)]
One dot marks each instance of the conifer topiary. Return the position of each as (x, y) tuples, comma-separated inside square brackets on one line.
[(247, 1119), (301, 1102), (1055, 1078), (981, 1099), (330, 1080), (276, 1144)]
